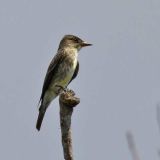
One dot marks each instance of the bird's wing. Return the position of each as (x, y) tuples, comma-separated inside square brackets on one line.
[(56, 61), (75, 72)]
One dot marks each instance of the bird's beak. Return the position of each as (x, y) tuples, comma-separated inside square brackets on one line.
[(85, 44)]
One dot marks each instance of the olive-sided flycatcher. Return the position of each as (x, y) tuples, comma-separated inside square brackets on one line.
[(61, 71)]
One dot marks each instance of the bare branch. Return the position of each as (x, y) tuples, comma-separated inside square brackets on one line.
[(67, 101)]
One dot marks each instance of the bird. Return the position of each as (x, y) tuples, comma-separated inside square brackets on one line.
[(62, 69)]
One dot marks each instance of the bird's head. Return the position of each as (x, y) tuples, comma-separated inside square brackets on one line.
[(73, 42)]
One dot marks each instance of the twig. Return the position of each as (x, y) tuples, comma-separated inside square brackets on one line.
[(132, 146), (67, 101)]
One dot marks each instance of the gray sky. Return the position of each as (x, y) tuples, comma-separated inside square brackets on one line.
[(118, 82)]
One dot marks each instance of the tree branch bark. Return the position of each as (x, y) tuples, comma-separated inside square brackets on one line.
[(67, 101)]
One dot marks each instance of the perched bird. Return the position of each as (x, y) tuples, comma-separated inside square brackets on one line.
[(61, 71)]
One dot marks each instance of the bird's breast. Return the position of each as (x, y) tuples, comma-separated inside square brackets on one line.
[(65, 72), (69, 69)]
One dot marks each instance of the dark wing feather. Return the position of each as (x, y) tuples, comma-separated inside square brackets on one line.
[(56, 61), (75, 72)]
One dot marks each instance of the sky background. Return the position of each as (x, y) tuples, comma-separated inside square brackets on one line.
[(118, 81)]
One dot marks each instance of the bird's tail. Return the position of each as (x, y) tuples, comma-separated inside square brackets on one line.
[(42, 112)]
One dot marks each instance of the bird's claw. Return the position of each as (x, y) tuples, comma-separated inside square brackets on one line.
[(64, 89), (71, 92), (61, 89)]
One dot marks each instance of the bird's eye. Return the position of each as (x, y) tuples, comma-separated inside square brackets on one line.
[(76, 40)]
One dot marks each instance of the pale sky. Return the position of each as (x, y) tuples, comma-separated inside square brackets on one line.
[(118, 81)]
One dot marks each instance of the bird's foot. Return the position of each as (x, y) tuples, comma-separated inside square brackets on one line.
[(64, 89), (61, 89)]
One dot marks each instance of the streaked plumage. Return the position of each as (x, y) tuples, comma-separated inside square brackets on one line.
[(62, 70)]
